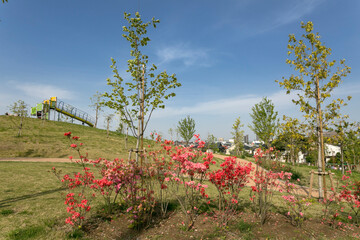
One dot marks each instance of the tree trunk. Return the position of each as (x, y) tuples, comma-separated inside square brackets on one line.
[(96, 115), (107, 128), (342, 159), (321, 160), (20, 127)]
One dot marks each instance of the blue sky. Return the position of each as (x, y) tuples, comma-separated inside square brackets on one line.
[(227, 54)]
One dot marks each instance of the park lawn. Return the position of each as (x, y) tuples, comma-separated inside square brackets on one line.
[(46, 139)]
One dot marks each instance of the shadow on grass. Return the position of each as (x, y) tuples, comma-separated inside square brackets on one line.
[(5, 202)]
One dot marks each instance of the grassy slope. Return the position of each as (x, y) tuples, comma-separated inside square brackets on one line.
[(46, 139)]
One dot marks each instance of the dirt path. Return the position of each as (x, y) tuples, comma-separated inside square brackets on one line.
[(301, 189), (19, 159)]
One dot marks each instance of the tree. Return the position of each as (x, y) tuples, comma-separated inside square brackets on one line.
[(19, 108), (314, 85), (4, 1), (138, 98), (352, 148), (291, 132), (343, 128), (171, 133), (186, 128), (108, 119), (211, 142), (264, 120), (238, 135), (96, 104)]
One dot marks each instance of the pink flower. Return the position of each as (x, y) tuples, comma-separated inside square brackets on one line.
[(349, 217)]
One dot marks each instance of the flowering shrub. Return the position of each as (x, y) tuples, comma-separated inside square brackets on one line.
[(133, 186), (349, 195), (229, 181), (190, 167), (297, 204), (266, 183)]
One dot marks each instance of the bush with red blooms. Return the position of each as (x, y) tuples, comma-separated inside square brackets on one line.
[(229, 181)]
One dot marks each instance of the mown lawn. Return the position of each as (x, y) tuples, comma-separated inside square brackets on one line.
[(46, 139)]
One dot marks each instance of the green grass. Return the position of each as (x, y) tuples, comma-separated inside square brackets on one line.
[(34, 197), (46, 139)]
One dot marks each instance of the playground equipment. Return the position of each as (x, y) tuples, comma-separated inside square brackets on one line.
[(42, 110)]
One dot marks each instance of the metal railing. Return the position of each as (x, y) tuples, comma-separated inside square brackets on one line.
[(73, 111)]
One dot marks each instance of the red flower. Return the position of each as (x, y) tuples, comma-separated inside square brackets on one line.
[(67, 134), (73, 145)]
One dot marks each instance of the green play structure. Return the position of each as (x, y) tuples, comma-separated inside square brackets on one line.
[(42, 110)]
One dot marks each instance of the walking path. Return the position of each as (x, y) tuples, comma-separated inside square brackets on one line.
[(302, 190)]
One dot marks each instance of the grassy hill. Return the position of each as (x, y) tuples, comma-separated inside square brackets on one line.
[(46, 139)]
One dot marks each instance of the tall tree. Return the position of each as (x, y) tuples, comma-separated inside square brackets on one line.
[(238, 136), (138, 98), (186, 128), (317, 78), (264, 120), (96, 104)]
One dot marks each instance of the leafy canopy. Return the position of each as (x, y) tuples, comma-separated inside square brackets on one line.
[(186, 128), (310, 60), (264, 120), (138, 98)]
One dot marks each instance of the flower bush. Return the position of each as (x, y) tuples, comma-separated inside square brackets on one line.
[(229, 181), (297, 204)]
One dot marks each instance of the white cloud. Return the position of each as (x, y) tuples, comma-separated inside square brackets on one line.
[(182, 52), (43, 91), (224, 106)]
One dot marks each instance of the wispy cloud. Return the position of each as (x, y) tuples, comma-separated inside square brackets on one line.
[(43, 91), (225, 106), (282, 13), (186, 54), (297, 11)]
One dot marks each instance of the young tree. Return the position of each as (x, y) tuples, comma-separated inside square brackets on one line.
[(186, 128), (108, 119), (291, 132), (352, 148), (316, 80), (343, 128), (137, 99), (211, 142), (171, 133), (96, 104), (238, 135), (19, 108), (264, 120)]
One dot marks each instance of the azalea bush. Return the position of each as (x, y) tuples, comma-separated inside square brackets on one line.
[(141, 189), (266, 183), (229, 181), (189, 167), (297, 204)]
